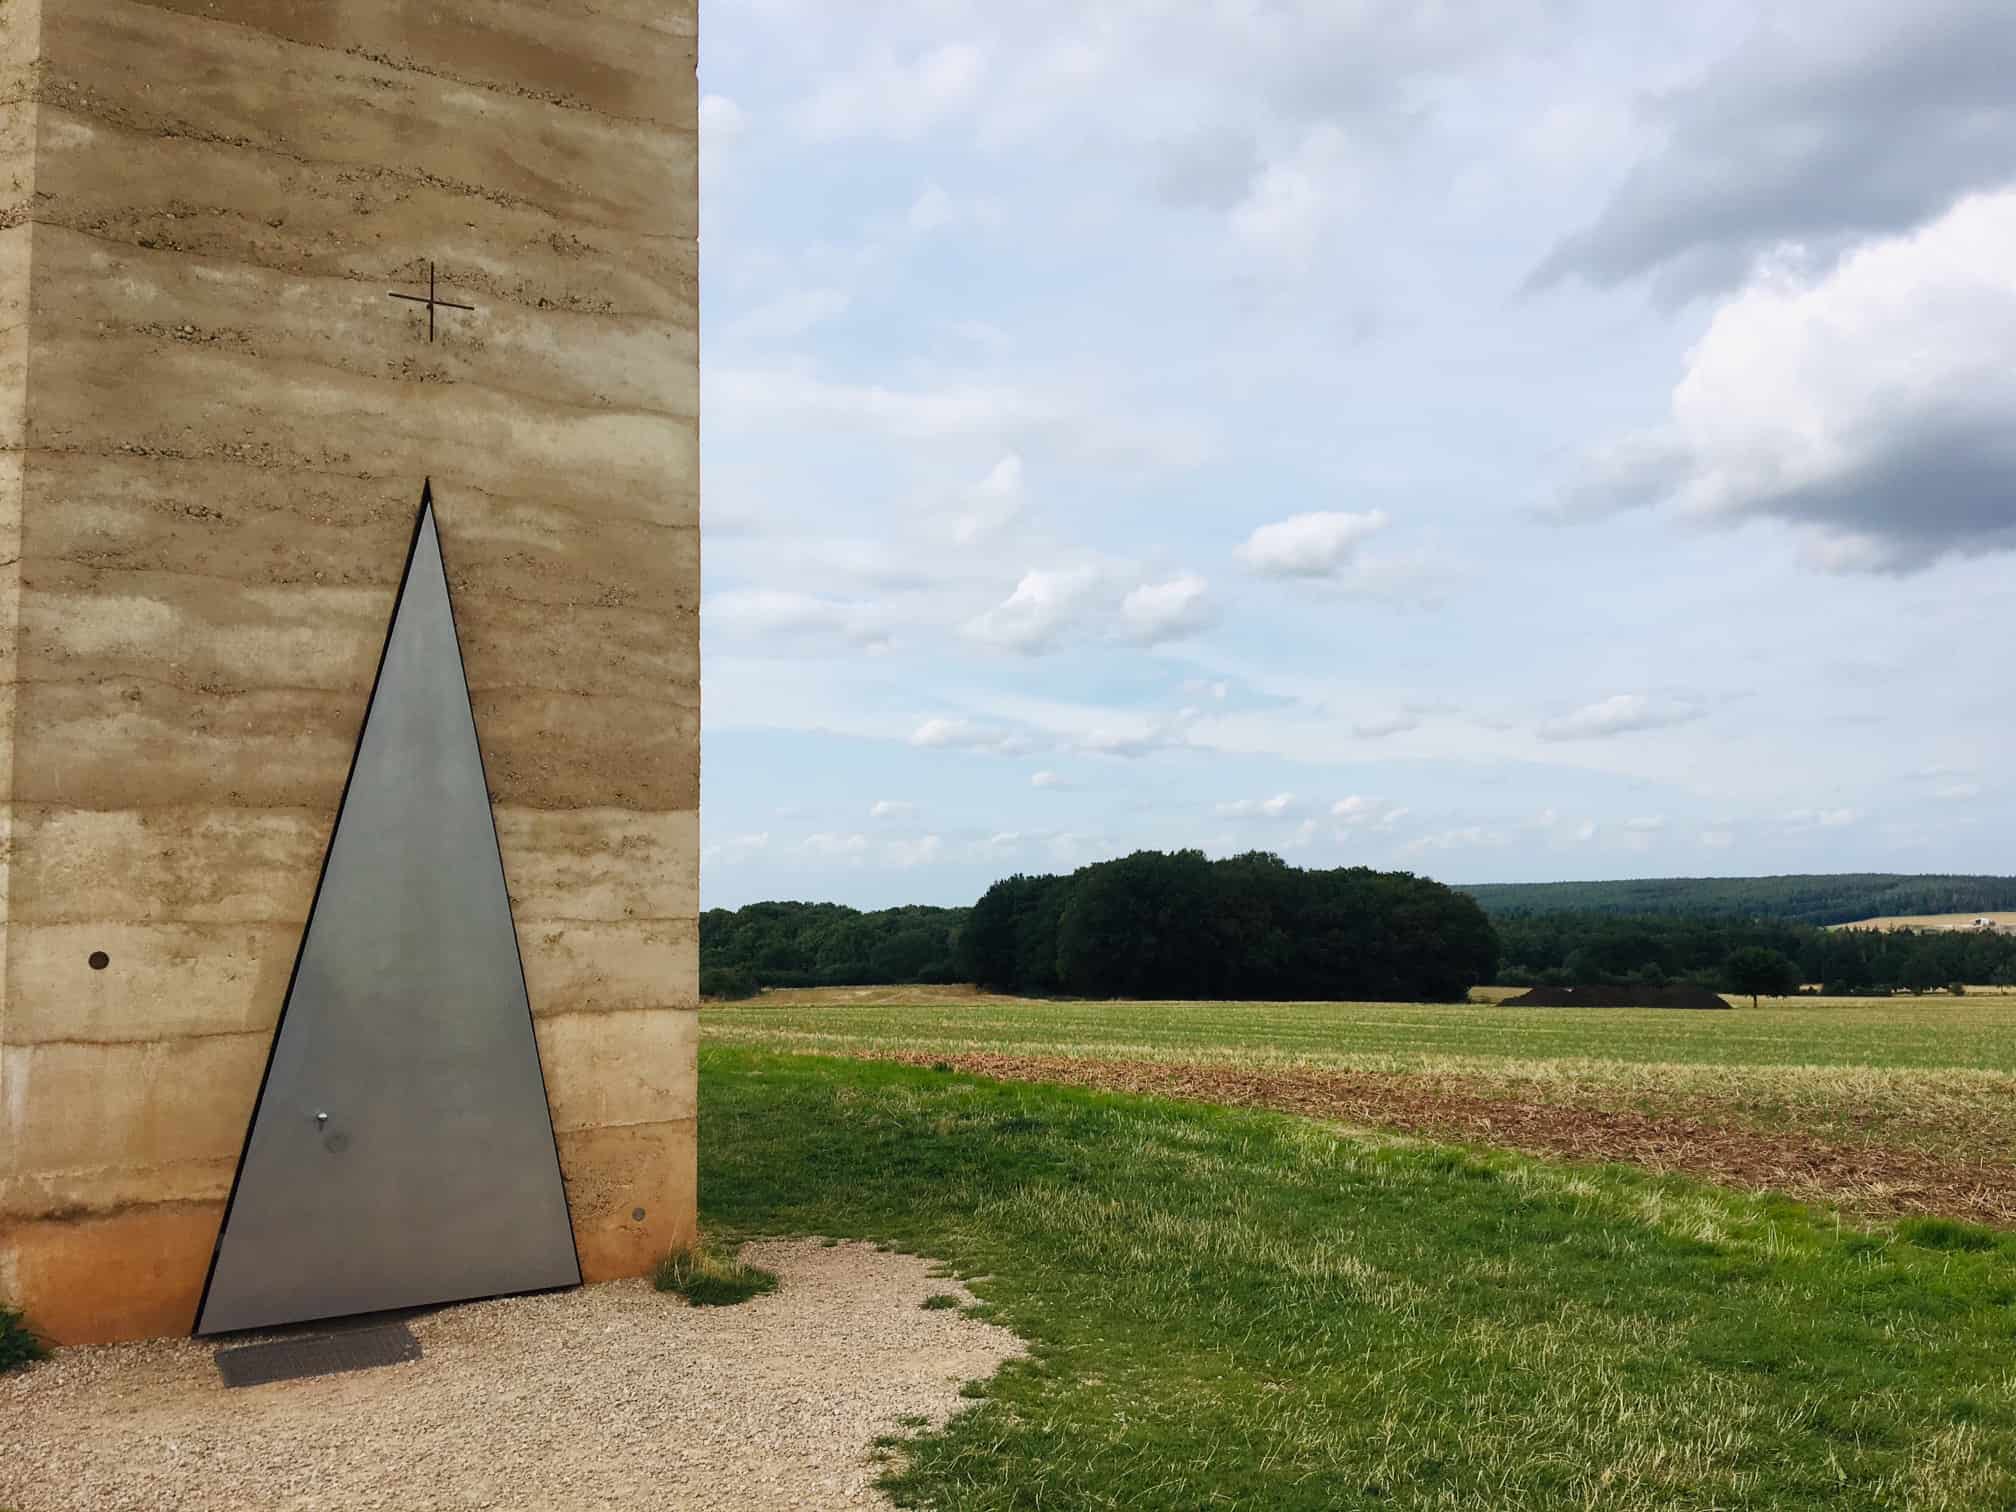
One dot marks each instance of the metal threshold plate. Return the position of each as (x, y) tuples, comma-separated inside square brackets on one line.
[(299, 1358)]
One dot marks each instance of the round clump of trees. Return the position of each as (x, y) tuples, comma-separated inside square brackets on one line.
[(1179, 925)]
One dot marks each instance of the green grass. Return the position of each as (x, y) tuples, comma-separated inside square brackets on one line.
[(18, 1344), (1235, 1309), (707, 1277)]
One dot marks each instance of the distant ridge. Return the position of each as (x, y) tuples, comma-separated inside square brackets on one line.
[(1817, 899)]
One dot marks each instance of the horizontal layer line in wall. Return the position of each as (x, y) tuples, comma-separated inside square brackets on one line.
[(62, 108), (557, 99)]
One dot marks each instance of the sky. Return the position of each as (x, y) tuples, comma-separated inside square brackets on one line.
[(1506, 441)]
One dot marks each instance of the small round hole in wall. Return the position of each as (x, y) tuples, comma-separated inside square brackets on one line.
[(98, 960), (637, 1214)]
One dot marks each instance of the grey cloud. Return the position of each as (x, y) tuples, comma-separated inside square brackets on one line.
[(1209, 171), (1629, 473), (1818, 135), (1870, 409), (1944, 486), (1379, 726)]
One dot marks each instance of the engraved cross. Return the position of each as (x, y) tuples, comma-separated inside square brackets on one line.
[(432, 300)]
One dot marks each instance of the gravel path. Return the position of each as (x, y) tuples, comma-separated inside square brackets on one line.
[(607, 1397)]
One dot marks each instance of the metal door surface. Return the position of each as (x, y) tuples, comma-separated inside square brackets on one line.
[(401, 1152)]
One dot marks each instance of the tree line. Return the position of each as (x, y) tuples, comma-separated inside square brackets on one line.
[(1572, 949), (1154, 924), (826, 945), (1179, 925), (1839, 899)]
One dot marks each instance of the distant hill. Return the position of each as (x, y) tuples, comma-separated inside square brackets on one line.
[(1837, 899)]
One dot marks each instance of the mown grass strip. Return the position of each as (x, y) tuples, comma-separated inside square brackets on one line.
[(1236, 1309)]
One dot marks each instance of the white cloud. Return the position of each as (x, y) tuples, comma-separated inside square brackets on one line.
[(888, 96), (1358, 810), (1072, 414), (933, 210), (891, 808), (1835, 818), (922, 851), (1137, 735), (1958, 792), (1043, 606), (1648, 825), (737, 849), (1619, 714), (991, 503), (1292, 204), (788, 316), (721, 119), (774, 611), (1717, 839), (1280, 806), (1468, 837), (1069, 848), (1157, 612), (964, 735), (835, 847), (1309, 545), (1046, 780), (1869, 407)]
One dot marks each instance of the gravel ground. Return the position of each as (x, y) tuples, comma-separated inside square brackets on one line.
[(609, 1396)]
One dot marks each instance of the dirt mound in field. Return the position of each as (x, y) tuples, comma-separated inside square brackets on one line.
[(1617, 997)]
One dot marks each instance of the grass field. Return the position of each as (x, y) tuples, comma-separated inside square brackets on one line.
[(1238, 1309), (1885, 1104)]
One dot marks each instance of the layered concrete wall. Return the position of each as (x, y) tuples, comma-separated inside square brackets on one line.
[(216, 428)]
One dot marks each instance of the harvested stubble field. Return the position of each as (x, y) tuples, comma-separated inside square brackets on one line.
[(1881, 1106)]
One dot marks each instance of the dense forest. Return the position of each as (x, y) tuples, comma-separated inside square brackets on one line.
[(1148, 925), (1803, 899), (1179, 925), (1571, 949), (826, 945)]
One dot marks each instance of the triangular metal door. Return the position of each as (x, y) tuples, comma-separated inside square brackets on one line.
[(401, 1152)]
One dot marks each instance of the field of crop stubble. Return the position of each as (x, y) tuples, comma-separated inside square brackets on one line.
[(1881, 1106)]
